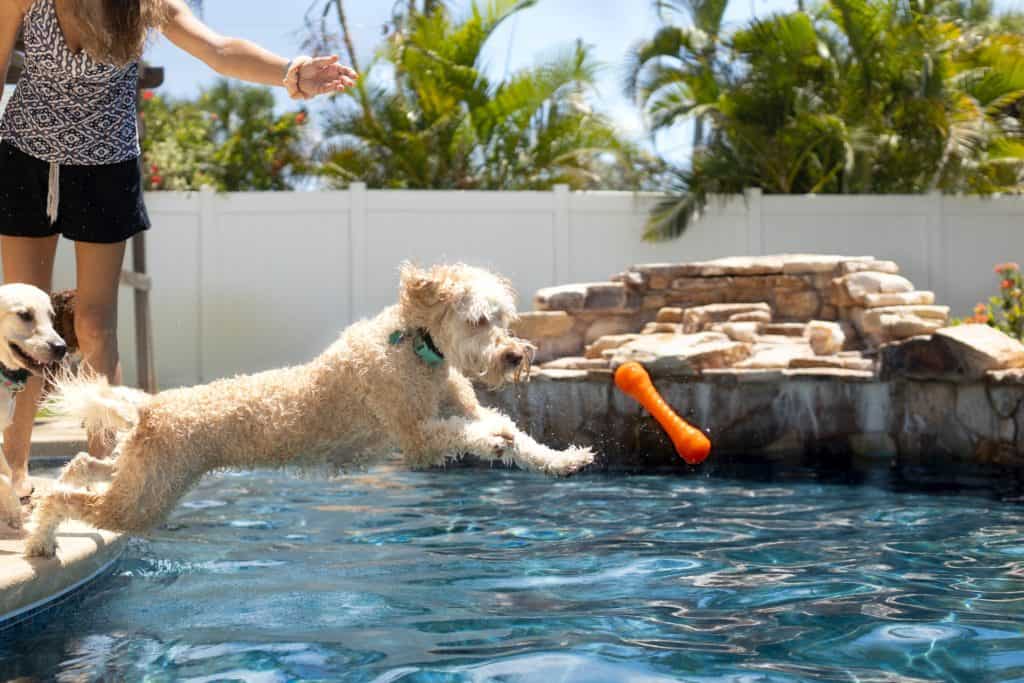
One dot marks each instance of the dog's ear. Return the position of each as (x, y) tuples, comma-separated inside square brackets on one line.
[(63, 303), (424, 290)]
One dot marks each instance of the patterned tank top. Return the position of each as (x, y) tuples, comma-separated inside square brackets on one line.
[(67, 108)]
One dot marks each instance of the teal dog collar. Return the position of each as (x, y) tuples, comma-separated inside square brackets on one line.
[(422, 344)]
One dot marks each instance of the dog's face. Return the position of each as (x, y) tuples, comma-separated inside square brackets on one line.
[(27, 338), (467, 312)]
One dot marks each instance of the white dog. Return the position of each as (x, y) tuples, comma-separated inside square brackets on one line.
[(28, 344), (397, 382)]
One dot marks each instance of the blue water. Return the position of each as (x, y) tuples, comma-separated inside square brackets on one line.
[(502, 576)]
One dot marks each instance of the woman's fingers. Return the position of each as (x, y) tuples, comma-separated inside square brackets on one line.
[(322, 75)]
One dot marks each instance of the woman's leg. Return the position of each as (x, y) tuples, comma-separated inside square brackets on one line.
[(98, 268), (28, 260)]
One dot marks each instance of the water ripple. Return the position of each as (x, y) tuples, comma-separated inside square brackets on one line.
[(499, 576)]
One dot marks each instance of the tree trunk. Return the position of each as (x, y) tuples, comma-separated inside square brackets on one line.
[(346, 36)]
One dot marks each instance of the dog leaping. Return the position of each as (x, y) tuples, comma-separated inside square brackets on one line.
[(402, 381)]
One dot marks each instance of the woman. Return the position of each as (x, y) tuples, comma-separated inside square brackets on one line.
[(69, 153)]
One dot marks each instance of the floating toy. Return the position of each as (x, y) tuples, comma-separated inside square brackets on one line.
[(691, 443)]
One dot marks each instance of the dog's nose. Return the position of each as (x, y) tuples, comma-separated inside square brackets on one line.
[(513, 358), (58, 349)]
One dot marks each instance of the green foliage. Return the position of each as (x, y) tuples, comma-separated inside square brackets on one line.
[(228, 138), (426, 115), (860, 96), (1004, 311)]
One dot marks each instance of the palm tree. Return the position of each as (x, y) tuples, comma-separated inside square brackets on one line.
[(426, 115), (678, 72), (873, 96)]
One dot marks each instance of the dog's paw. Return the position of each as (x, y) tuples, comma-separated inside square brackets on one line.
[(40, 547), (492, 441), (571, 460)]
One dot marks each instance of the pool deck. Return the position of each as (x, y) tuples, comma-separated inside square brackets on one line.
[(31, 586), (56, 438)]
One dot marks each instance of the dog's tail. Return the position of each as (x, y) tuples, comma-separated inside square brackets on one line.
[(92, 399)]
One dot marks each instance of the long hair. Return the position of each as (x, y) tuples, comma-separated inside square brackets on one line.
[(115, 31)]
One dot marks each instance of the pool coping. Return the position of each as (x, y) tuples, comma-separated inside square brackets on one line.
[(31, 586)]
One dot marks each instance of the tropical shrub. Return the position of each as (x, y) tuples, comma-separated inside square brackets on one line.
[(855, 96), (1005, 311), (229, 138), (426, 115)]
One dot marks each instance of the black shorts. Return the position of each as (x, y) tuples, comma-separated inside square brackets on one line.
[(101, 204)]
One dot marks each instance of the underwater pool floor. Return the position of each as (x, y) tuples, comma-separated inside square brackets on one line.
[(472, 575)]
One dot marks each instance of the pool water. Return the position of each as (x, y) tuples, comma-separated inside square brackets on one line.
[(472, 575)]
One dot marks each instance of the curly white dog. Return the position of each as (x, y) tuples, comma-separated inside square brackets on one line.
[(28, 344), (400, 381)]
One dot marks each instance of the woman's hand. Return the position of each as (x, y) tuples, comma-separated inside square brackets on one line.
[(305, 77), (310, 77)]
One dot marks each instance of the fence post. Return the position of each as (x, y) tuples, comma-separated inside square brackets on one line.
[(755, 226), (562, 242), (207, 226), (357, 249), (935, 244)]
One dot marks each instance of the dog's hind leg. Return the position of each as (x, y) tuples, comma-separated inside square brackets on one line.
[(85, 470), (58, 505)]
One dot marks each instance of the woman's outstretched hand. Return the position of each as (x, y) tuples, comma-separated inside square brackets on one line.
[(310, 77)]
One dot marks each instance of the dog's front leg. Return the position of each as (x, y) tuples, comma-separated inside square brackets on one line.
[(492, 437), (436, 440), (526, 453)]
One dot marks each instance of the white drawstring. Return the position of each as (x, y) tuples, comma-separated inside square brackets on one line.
[(53, 192)]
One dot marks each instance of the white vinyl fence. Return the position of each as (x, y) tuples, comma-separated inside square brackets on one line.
[(244, 282)]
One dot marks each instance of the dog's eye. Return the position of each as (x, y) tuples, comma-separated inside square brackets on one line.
[(26, 316)]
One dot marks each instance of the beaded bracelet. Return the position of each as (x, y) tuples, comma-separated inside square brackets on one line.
[(292, 78)]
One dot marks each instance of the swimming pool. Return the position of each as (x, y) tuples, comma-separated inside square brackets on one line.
[(473, 575)]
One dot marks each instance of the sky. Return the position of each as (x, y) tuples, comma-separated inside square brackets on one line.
[(610, 26), (550, 25)]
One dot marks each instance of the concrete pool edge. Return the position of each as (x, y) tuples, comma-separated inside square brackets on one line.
[(31, 586)]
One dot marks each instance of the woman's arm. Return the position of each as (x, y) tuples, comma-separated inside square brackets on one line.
[(244, 60), (11, 14)]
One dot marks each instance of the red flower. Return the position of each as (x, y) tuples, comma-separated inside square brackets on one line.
[(981, 318), (147, 95), (300, 118), (154, 169), (156, 180), (981, 309), (1007, 284)]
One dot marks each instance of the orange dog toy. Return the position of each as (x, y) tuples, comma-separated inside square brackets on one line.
[(691, 443)]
